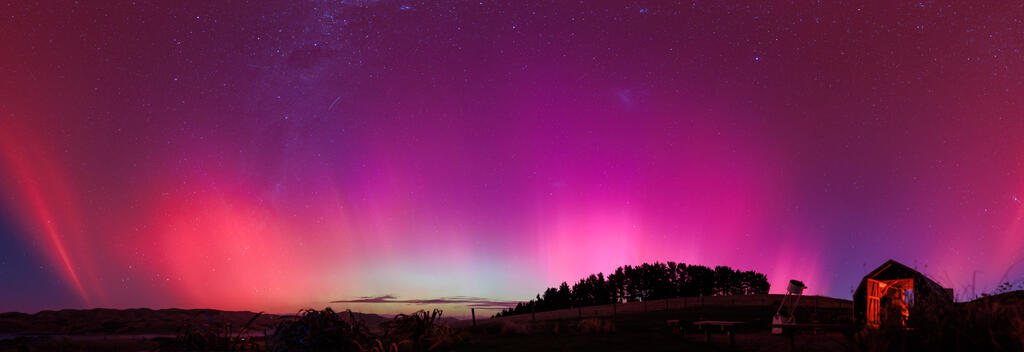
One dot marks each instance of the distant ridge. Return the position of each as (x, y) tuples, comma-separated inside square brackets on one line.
[(1012, 298), (103, 321)]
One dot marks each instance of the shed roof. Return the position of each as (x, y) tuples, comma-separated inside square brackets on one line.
[(892, 270)]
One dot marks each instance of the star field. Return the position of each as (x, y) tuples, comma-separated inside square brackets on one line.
[(280, 155)]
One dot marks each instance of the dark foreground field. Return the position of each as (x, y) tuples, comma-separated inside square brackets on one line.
[(993, 323), (626, 338), (626, 332), (639, 332), (749, 341)]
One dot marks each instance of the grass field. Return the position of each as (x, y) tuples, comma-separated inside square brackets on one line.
[(644, 332)]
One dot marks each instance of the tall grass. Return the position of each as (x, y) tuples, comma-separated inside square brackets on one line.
[(320, 330), (420, 331)]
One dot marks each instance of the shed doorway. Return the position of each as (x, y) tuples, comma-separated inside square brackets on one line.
[(889, 302)]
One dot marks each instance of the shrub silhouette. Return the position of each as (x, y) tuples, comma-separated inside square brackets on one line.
[(326, 330), (420, 331), (315, 330)]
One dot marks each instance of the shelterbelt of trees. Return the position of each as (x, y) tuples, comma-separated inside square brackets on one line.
[(643, 283)]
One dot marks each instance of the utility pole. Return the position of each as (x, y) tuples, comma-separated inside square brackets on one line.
[(473, 312)]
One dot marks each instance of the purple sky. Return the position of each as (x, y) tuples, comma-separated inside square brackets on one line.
[(278, 156)]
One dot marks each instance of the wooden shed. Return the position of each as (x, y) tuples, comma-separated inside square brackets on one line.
[(889, 294)]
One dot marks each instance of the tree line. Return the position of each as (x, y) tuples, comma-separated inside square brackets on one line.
[(645, 282)]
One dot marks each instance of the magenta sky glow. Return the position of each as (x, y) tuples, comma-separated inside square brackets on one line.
[(274, 157)]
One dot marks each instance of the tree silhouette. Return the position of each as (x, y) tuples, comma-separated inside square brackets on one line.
[(643, 283)]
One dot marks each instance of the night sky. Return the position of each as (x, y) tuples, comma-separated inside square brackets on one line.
[(279, 155)]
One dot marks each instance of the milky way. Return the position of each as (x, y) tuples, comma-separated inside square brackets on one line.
[(277, 156)]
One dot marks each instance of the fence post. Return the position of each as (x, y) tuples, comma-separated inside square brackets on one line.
[(473, 312)]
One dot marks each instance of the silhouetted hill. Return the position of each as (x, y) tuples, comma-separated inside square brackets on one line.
[(1012, 298), (139, 321)]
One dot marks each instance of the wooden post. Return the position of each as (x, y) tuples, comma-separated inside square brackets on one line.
[(816, 300), (473, 312), (791, 334)]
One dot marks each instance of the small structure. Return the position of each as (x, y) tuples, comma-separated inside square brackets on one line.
[(728, 327), (788, 316), (887, 296)]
